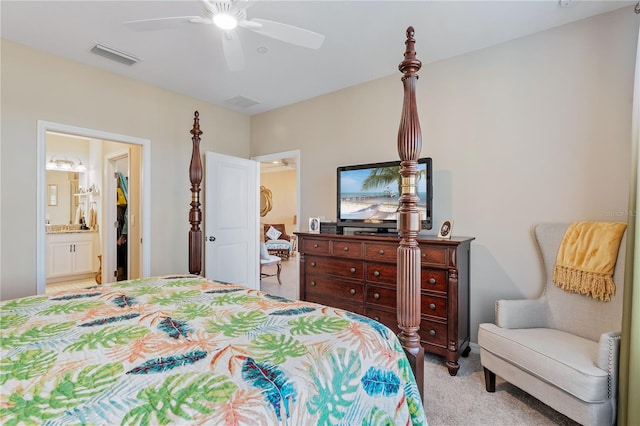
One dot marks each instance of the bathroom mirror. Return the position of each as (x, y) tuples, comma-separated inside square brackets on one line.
[(62, 201), (265, 201)]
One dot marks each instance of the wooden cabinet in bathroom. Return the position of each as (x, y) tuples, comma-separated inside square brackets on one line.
[(70, 254)]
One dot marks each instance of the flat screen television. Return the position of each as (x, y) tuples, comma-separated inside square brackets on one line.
[(368, 195)]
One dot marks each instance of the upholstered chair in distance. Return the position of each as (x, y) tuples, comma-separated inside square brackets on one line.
[(561, 348), (277, 240)]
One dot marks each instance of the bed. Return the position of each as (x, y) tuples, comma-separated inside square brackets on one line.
[(186, 350)]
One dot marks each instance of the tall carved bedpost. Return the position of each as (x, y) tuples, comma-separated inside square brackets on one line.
[(195, 214), (408, 282)]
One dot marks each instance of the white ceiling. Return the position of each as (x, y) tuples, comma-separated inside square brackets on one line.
[(364, 40)]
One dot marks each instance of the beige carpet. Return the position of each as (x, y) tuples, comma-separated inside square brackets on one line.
[(463, 400)]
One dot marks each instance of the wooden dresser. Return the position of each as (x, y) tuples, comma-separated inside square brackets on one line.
[(358, 274)]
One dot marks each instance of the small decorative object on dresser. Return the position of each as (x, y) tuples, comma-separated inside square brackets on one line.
[(359, 273), (445, 229), (314, 225)]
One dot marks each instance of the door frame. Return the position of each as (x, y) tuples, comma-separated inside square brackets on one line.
[(41, 152), (279, 156)]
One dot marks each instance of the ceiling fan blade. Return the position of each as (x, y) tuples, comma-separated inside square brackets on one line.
[(160, 23), (233, 53), (285, 32)]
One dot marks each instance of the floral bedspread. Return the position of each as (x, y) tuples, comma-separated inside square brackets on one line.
[(185, 350)]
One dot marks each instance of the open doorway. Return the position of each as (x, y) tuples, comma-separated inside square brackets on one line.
[(90, 210), (280, 179), (280, 172)]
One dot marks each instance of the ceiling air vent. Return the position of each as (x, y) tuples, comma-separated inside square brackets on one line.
[(242, 102), (114, 54)]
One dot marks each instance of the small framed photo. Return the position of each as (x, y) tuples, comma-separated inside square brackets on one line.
[(445, 229), (314, 225)]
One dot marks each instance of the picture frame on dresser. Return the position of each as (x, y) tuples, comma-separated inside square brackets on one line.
[(314, 225), (446, 229)]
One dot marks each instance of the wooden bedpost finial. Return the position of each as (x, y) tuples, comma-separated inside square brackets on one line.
[(195, 214), (410, 65), (196, 132)]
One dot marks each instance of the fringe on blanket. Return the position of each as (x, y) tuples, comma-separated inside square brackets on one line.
[(598, 286)]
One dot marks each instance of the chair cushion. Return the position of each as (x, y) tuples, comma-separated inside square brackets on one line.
[(270, 260), (272, 233), (264, 254), (278, 245), (562, 359)]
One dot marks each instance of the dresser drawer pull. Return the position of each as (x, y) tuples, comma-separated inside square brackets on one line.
[(377, 318), (376, 273), (352, 270), (432, 280), (381, 251), (346, 248), (432, 306), (352, 291), (316, 246), (432, 332), (376, 296), (313, 264), (424, 254), (313, 283)]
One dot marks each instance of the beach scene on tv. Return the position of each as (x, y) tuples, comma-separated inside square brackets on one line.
[(372, 194)]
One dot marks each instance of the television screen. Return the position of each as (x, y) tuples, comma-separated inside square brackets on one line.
[(368, 194)]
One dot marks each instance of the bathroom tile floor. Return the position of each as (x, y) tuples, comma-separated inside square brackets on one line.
[(70, 285)]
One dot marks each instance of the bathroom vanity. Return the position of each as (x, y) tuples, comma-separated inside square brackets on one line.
[(71, 255)]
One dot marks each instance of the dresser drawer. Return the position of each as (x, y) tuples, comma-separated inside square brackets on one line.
[(381, 251), (347, 249), (387, 318), (434, 333), (332, 266), (381, 296), (433, 255), (434, 306), (434, 280), (382, 273), (313, 246), (431, 332), (345, 304), (325, 287)]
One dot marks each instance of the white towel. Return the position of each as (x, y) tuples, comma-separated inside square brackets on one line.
[(76, 219), (92, 218)]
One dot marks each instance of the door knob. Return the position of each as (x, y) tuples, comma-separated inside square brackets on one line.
[(212, 238)]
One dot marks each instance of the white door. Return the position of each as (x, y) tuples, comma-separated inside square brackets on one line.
[(231, 250)]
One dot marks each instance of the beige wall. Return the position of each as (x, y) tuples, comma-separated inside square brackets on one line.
[(283, 190), (537, 129), (39, 86), (533, 130)]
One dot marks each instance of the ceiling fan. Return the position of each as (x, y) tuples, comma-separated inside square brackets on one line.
[(228, 15)]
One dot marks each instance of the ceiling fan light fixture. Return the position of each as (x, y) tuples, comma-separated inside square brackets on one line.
[(225, 21)]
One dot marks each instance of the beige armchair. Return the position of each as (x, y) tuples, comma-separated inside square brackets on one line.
[(561, 348)]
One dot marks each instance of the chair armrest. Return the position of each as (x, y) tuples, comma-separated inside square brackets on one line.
[(608, 359), (522, 313)]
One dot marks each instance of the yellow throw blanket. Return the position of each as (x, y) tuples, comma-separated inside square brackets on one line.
[(586, 258)]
